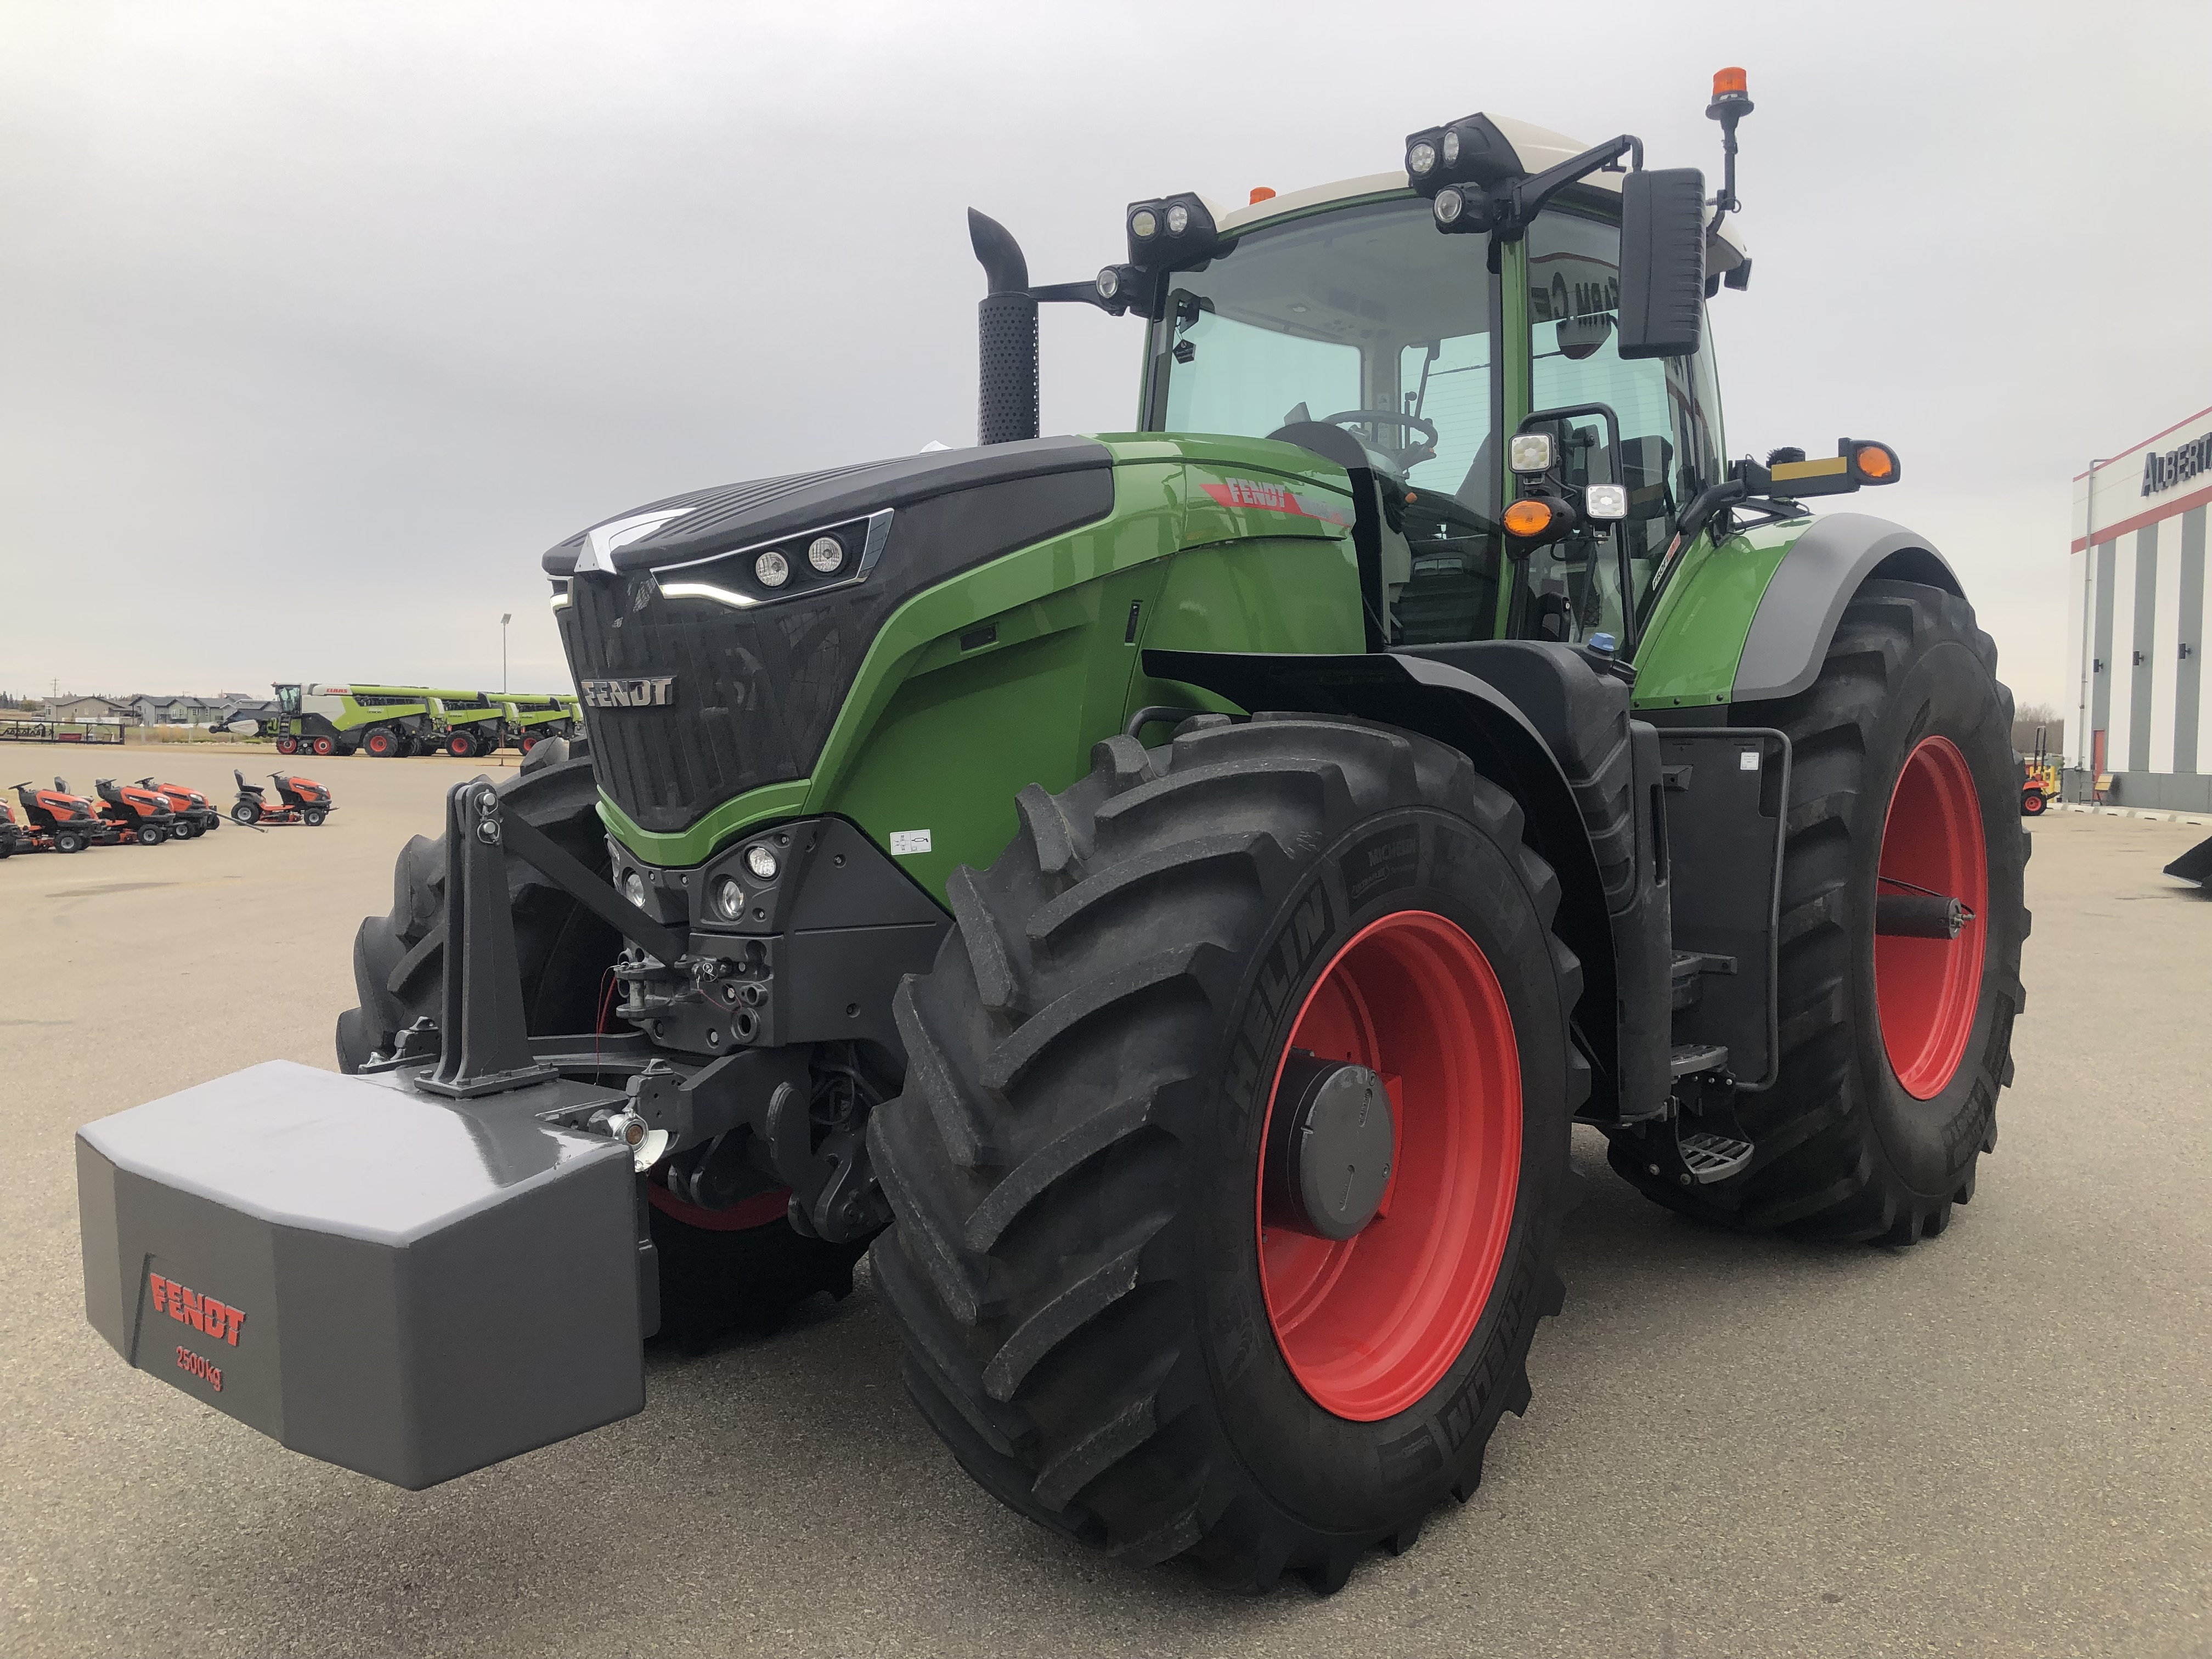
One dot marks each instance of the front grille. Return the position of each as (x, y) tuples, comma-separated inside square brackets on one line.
[(755, 691)]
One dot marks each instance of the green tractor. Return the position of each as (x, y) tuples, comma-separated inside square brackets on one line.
[(1165, 896)]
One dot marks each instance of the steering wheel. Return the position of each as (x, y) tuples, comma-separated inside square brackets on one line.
[(1412, 454)]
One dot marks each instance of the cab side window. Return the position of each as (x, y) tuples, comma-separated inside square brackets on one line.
[(1669, 415)]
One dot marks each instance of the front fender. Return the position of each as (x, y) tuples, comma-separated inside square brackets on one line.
[(1805, 598)]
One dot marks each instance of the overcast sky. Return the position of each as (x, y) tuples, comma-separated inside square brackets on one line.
[(323, 321)]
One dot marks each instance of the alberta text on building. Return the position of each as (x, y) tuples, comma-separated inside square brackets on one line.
[(2135, 621)]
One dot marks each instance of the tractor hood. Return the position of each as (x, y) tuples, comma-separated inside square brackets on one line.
[(701, 678), (683, 528)]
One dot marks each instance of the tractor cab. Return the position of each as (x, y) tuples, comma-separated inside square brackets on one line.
[(1357, 317)]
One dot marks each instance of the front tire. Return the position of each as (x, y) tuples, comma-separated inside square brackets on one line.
[(1893, 1048), (1112, 1328), (2032, 803)]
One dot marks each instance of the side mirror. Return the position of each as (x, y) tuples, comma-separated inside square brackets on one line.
[(1662, 262)]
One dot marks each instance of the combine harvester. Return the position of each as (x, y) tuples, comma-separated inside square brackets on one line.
[(1169, 895), (388, 721)]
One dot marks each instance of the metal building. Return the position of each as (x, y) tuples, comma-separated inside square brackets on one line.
[(2136, 621)]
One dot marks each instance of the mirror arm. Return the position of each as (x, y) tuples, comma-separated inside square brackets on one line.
[(1516, 205)]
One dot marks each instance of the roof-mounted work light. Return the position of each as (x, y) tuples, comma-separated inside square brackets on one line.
[(1172, 233), (1471, 150)]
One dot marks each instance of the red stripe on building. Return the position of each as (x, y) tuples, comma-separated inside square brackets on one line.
[(2173, 508)]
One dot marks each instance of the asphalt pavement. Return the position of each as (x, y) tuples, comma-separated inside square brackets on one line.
[(1998, 1443)]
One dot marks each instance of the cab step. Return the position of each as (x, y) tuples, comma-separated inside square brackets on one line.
[(1710, 1157), (1690, 1058)]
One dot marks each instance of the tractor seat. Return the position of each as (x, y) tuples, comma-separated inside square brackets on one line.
[(243, 788), (108, 791)]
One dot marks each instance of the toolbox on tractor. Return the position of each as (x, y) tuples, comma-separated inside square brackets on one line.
[(1166, 896)]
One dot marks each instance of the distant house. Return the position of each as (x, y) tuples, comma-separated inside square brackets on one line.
[(178, 711), (104, 709)]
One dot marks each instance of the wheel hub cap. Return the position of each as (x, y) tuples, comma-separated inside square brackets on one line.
[(1331, 1145)]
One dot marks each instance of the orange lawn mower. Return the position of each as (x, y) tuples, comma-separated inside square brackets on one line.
[(305, 801), (195, 817), (56, 821), (138, 814)]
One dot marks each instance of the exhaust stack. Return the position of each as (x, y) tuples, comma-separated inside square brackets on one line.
[(1006, 327)]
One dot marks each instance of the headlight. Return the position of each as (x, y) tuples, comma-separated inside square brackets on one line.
[(1109, 283), (761, 862), (1143, 223), (1178, 219), (1529, 452), (825, 554), (1451, 146), (1421, 159), (1450, 204), (1606, 501), (634, 889), (772, 570), (729, 898)]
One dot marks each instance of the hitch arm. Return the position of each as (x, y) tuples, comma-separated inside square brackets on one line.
[(534, 847)]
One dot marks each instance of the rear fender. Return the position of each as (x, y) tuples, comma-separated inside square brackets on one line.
[(1454, 708)]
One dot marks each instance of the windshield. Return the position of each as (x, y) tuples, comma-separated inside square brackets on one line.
[(1364, 319), (288, 699)]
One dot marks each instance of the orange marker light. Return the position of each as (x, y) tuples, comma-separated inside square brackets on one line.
[(1261, 193), (1529, 517), (1875, 462), (1728, 81)]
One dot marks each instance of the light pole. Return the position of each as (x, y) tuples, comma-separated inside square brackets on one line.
[(505, 616)]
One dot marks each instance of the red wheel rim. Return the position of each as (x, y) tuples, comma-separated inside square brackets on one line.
[(1370, 1323), (1926, 990), (761, 1210)]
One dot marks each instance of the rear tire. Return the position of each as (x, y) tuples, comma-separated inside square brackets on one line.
[(713, 1280), (1095, 1319), (461, 746), (2032, 803), (1875, 1134), (380, 741), (245, 812)]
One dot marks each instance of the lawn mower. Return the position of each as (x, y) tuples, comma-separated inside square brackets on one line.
[(195, 816), (139, 813), (304, 801), (1167, 896), (55, 821)]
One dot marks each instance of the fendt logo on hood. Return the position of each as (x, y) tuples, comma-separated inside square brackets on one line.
[(656, 691)]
